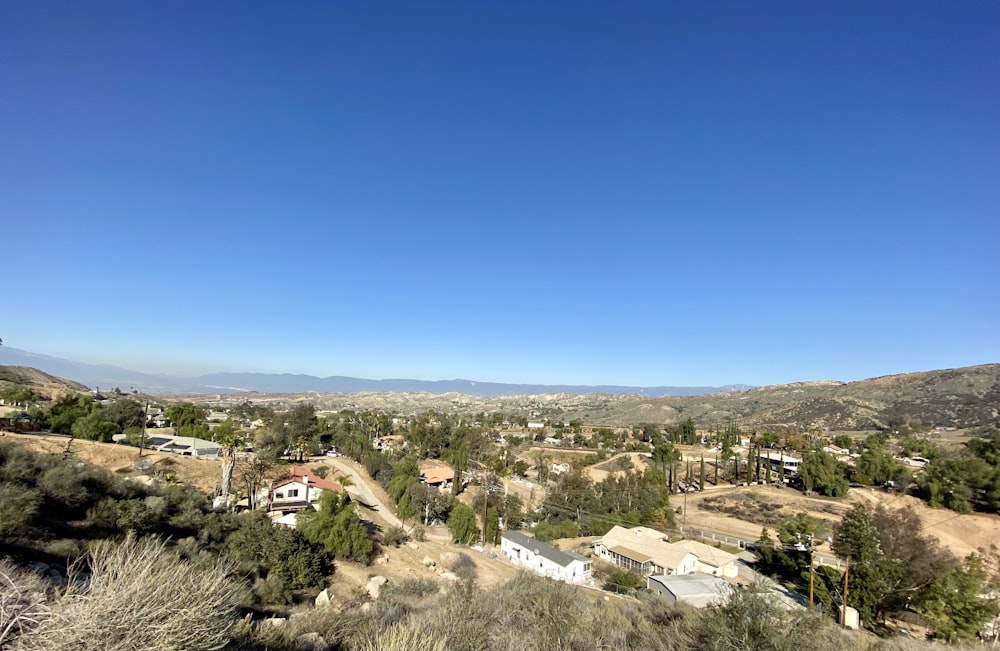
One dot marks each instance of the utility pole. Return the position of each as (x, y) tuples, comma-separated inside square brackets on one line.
[(142, 438), (685, 506), (847, 568), (811, 574)]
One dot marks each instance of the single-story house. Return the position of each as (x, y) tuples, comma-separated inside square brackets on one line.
[(524, 551), (645, 551), (711, 560), (698, 590), (298, 490), (184, 445), (440, 476)]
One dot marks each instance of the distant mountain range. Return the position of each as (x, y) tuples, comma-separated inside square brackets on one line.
[(108, 377)]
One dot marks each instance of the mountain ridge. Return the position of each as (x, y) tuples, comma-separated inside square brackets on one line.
[(107, 376)]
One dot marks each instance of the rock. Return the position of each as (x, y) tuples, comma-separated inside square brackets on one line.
[(429, 562), (413, 545), (311, 642), (323, 598), (275, 621), (382, 560), (375, 586), (450, 559)]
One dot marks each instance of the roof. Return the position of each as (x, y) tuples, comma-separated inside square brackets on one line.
[(629, 553), (706, 553), (303, 473), (779, 456), (644, 542), (695, 589), (544, 550), (437, 474)]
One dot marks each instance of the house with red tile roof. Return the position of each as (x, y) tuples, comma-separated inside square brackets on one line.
[(437, 475), (298, 490)]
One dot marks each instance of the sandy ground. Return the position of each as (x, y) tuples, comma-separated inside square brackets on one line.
[(203, 474), (962, 534)]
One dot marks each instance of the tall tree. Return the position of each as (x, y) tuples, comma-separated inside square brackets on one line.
[(462, 524), (229, 437), (872, 573), (821, 472)]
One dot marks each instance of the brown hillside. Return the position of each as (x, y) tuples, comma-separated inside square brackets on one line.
[(48, 386)]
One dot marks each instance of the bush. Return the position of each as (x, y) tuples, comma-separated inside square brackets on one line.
[(18, 507), (22, 604), (416, 588), (140, 596), (394, 536)]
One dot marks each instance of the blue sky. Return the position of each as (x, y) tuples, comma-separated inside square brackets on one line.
[(637, 193)]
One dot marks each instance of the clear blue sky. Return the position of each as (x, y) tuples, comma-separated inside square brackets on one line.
[(642, 193)]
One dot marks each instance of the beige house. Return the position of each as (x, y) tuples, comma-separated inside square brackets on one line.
[(711, 560), (648, 551), (644, 550)]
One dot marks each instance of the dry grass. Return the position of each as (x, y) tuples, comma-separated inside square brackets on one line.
[(22, 604), (141, 596)]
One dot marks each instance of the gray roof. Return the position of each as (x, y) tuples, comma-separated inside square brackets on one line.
[(693, 586), (545, 551)]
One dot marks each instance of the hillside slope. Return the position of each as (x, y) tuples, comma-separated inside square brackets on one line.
[(963, 397), (45, 385)]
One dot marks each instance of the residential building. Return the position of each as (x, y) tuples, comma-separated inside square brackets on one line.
[(439, 476), (778, 460), (297, 491), (698, 590), (524, 551), (711, 560), (645, 551)]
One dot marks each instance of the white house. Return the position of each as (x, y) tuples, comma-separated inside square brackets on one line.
[(644, 550), (711, 560), (779, 460), (297, 491), (540, 558), (698, 590)]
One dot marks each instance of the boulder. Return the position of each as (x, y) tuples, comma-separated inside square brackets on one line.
[(323, 598), (375, 586), (429, 562), (450, 559)]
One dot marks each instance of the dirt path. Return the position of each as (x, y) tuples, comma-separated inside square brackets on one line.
[(364, 488)]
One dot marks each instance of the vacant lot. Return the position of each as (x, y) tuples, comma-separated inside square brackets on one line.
[(743, 511)]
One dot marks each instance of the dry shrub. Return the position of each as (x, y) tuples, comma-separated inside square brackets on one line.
[(22, 604), (139, 596), (400, 637)]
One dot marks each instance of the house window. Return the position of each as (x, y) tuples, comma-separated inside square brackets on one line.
[(293, 492)]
